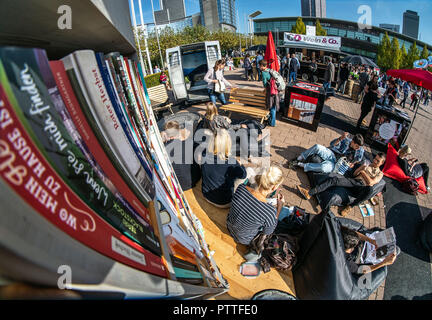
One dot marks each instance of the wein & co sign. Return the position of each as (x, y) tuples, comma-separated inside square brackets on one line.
[(317, 41)]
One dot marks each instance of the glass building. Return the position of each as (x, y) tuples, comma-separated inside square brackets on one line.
[(355, 41), (218, 14)]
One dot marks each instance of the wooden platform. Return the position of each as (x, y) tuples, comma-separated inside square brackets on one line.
[(228, 254)]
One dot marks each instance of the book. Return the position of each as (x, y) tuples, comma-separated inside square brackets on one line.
[(41, 119), (91, 142), (27, 172), (386, 245)]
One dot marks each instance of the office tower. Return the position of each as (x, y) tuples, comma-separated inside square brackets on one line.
[(391, 27), (411, 22), (313, 8), (171, 10), (218, 14)]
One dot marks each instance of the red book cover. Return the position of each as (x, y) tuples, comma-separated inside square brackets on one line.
[(28, 173)]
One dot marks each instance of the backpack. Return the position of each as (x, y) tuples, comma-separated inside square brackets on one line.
[(410, 186), (280, 82)]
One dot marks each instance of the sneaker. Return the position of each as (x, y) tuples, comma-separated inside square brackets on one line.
[(304, 192), (345, 211)]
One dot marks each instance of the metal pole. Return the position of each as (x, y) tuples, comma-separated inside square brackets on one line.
[(136, 36), (145, 39), (157, 36)]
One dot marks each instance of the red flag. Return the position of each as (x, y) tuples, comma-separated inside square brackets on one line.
[(270, 54)]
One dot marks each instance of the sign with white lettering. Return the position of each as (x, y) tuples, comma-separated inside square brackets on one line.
[(317, 41)]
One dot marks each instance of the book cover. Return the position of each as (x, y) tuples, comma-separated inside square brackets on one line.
[(38, 114), (26, 171)]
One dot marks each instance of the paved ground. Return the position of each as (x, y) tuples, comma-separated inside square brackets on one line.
[(287, 141)]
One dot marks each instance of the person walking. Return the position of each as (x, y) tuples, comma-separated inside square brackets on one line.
[(216, 81), (294, 66), (363, 79), (272, 93), (285, 66), (426, 99), (414, 99), (329, 75), (391, 93)]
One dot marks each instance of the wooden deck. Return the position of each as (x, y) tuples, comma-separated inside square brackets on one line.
[(228, 254)]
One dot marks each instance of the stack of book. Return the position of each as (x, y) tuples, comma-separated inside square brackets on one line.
[(79, 143)]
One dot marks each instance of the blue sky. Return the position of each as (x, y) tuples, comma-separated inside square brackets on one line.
[(383, 11)]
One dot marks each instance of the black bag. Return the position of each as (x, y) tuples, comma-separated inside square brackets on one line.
[(410, 186)]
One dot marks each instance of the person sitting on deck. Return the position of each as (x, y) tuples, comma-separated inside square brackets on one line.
[(365, 177), (220, 171), (186, 169), (350, 148), (250, 211)]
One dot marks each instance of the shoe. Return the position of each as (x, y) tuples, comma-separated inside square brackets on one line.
[(373, 201), (292, 164), (345, 211), (304, 192)]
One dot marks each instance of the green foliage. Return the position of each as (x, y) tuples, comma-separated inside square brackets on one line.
[(413, 55), (396, 54), (153, 80), (425, 53), (319, 29), (299, 27), (404, 57), (236, 62), (384, 58)]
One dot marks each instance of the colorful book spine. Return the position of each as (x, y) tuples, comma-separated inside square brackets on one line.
[(26, 171), (37, 112)]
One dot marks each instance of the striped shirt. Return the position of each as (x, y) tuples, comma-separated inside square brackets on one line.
[(249, 216)]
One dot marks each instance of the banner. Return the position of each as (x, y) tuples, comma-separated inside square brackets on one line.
[(317, 41)]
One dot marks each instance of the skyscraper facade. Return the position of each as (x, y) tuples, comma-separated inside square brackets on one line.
[(218, 14), (313, 8), (171, 10), (411, 22)]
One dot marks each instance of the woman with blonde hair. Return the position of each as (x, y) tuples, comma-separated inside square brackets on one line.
[(220, 170), (215, 76), (250, 212), (411, 167), (214, 121)]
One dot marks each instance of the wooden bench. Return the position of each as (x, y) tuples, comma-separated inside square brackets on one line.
[(247, 101), (159, 98)]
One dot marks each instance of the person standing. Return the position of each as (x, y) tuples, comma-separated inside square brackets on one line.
[(406, 89), (285, 66), (312, 69), (344, 74), (156, 69), (426, 99), (258, 60), (294, 66), (414, 99), (391, 93), (329, 75), (248, 67), (272, 93), (215, 76), (363, 79), (369, 100)]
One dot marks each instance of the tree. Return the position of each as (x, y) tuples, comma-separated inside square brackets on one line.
[(396, 54), (404, 57), (299, 27), (384, 53), (413, 55), (425, 53), (320, 31)]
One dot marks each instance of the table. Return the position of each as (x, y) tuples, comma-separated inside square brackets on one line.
[(388, 125), (303, 105)]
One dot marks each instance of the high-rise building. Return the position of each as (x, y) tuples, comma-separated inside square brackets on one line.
[(411, 22), (171, 10), (218, 14), (391, 27), (313, 8)]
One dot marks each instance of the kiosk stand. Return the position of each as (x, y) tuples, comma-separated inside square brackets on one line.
[(303, 105)]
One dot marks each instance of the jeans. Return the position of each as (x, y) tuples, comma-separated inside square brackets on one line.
[(285, 212), (329, 159), (292, 76), (272, 120), (342, 85), (326, 85), (212, 94), (259, 74), (404, 100)]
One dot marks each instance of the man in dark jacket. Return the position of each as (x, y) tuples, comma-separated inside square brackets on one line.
[(343, 78), (294, 66), (329, 75), (364, 79)]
